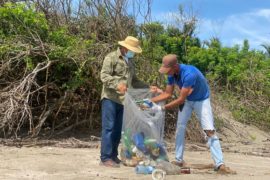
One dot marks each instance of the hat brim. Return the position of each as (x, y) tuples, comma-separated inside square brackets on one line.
[(137, 49), (164, 70)]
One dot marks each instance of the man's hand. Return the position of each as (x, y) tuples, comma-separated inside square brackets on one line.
[(155, 108), (122, 88), (155, 89), (147, 103)]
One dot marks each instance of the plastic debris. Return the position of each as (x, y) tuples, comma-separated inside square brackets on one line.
[(158, 174), (141, 169)]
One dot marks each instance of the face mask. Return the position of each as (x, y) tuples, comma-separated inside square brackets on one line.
[(130, 54)]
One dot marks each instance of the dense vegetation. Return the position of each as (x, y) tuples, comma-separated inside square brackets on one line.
[(51, 58)]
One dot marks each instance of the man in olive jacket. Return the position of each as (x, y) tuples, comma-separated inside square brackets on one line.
[(117, 74)]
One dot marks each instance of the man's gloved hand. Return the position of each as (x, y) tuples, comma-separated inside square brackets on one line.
[(155, 108), (147, 103)]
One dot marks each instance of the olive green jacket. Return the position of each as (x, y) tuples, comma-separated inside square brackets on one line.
[(116, 70)]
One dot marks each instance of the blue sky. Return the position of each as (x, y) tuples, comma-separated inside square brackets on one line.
[(231, 21)]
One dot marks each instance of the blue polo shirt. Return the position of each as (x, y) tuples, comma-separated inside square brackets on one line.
[(190, 76)]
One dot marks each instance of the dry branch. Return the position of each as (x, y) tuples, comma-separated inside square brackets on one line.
[(15, 106)]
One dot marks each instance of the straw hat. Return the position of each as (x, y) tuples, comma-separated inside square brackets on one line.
[(131, 43)]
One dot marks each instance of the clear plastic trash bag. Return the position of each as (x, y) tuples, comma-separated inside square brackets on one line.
[(142, 130)]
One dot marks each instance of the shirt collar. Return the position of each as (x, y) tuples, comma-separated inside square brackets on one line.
[(119, 54)]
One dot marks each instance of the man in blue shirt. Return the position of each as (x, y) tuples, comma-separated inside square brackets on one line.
[(194, 95)]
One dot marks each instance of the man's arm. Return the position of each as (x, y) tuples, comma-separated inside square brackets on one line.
[(184, 92), (106, 74), (165, 95), (110, 81)]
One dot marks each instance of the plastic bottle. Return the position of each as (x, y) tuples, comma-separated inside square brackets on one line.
[(130, 162), (127, 154), (147, 103), (162, 153), (138, 140), (127, 140), (158, 174), (138, 153), (185, 170), (152, 146), (149, 141), (140, 169)]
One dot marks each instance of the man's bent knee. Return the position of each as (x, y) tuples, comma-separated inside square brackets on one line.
[(209, 133)]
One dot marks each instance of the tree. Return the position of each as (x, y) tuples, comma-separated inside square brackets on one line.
[(267, 49)]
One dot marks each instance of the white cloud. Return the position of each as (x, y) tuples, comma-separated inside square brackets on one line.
[(169, 18), (210, 28), (231, 30), (265, 13), (235, 41), (253, 26)]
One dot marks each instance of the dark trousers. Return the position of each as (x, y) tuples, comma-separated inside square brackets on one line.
[(112, 120)]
